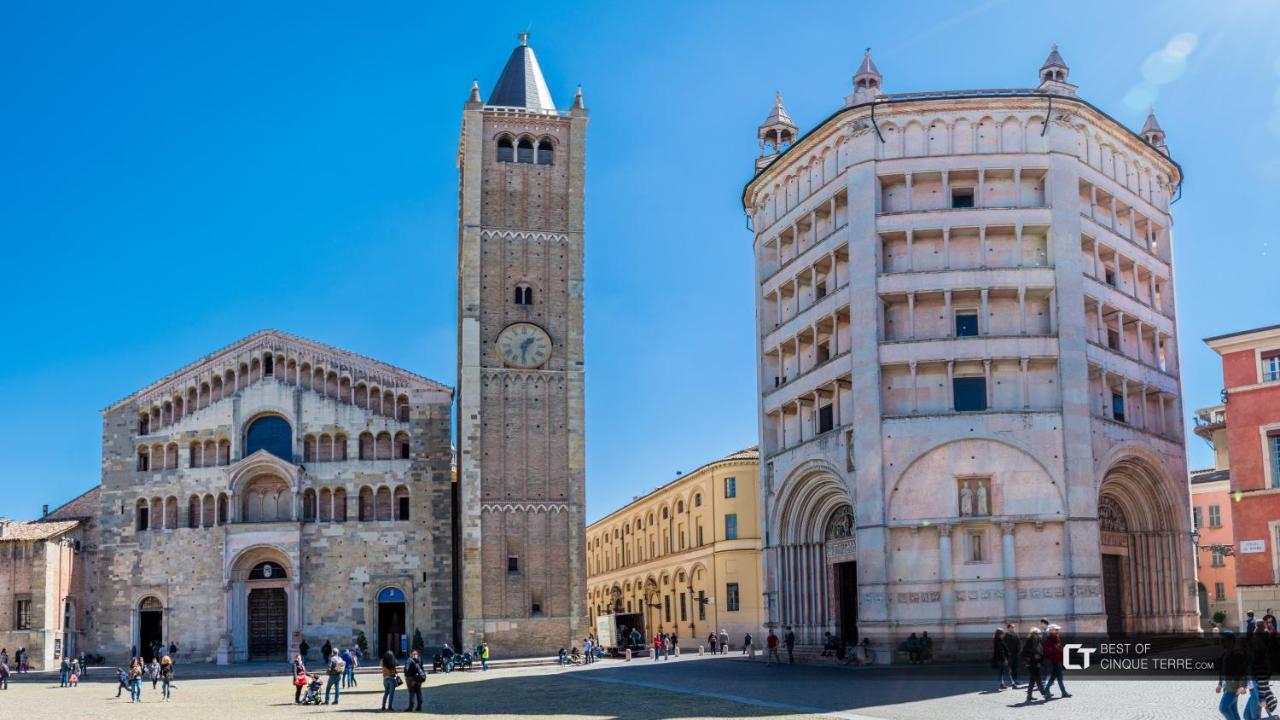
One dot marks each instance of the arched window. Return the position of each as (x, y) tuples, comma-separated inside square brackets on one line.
[(339, 505), (144, 459), (366, 504), (309, 448), (697, 500), (545, 152), (339, 447), (366, 446), (309, 505), (193, 512), (325, 453), (326, 505), (680, 506), (171, 512), (524, 151), (271, 433), (506, 153), (524, 294), (223, 508), (384, 446), (402, 445), (171, 456), (402, 408), (142, 516), (206, 512), (384, 503), (402, 503)]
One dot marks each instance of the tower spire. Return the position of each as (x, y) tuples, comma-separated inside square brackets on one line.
[(776, 133), (1054, 72), (521, 84), (867, 81), (1153, 133)]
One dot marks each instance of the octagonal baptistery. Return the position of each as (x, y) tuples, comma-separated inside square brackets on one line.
[(966, 337)]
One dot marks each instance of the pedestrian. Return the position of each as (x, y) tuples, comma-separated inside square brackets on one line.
[(414, 676), (771, 642), (926, 647), (1014, 643), (790, 640), (657, 646), (122, 677), (64, 671), (724, 641), (356, 656), (22, 660), (4, 656), (74, 679), (326, 651), (912, 645), (4, 673), (675, 643), (1053, 659), (299, 678), (166, 675), (748, 648), (390, 680), (153, 670), (588, 651), (712, 641), (1033, 655), (1233, 668), (303, 648), (484, 655), (84, 665), (1000, 659), (173, 650), (335, 668), (135, 681)]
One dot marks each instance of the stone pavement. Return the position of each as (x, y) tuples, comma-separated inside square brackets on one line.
[(642, 689)]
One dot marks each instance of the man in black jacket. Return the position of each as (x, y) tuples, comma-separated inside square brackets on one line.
[(1033, 655), (414, 676), (1014, 645)]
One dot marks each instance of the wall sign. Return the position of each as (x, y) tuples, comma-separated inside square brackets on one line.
[(1253, 546)]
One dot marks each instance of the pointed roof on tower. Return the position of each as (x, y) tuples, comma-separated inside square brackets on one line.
[(1151, 125), (1054, 60), (867, 68), (521, 84), (778, 115)]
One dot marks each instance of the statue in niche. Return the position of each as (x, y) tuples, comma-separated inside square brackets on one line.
[(982, 499), (841, 524), (966, 499)]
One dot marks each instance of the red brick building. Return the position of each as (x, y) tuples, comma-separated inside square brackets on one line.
[(1251, 391)]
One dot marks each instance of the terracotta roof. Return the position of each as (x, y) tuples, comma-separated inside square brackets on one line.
[(81, 507), (35, 529)]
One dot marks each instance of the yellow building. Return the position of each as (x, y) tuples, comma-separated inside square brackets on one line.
[(686, 555)]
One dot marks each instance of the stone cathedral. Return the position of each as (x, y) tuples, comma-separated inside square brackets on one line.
[(521, 472)]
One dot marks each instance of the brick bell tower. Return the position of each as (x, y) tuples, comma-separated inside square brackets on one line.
[(521, 480)]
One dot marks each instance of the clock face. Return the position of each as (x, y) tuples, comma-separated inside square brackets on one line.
[(524, 345)]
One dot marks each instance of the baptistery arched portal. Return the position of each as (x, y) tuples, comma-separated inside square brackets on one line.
[(815, 558), (1141, 555)]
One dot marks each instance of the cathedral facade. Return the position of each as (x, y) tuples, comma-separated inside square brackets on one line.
[(275, 491), (521, 467)]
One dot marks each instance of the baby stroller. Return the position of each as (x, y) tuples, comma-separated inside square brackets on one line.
[(312, 695)]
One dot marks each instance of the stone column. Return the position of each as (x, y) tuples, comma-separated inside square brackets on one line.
[(1009, 568)]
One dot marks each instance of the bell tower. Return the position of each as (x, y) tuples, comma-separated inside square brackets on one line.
[(521, 480)]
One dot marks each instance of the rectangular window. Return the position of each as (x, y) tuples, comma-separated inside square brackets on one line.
[(1113, 339), (970, 393), (1219, 559), (966, 323), (702, 605), (1117, 406), (826, 418), (1197, 517), (824, 352), (1109, 275), (961, 197), (684, 611), (1215, 516), (731, 487), (699, 536), (1273, 444), (22, 619), (1219, 591), (731, 526), (402, 511), (513, 563), (666, 607), (975, 548), (144, 516), (731, 596), (1271, 366)]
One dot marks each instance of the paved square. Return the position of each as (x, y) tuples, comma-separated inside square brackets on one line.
[(688, 687)]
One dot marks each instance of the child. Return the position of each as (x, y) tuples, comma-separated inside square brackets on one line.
[(123, 677)]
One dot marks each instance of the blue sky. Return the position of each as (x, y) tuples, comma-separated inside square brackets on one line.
[(176, 176)]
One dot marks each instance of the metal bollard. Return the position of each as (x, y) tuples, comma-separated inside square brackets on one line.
[(628, 654), (700, 650)]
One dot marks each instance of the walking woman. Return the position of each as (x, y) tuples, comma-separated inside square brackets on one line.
[(1033, 655), (390, 680), (166, 676), (299, 678), (1000, 659), (414, 676), (135, 680)]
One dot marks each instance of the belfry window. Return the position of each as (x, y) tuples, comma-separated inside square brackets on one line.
[(545, 153), (524, 294), (506, 152), (524, 151)]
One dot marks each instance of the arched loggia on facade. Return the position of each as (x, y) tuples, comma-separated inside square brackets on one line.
[(1143, 540), (814, 558)]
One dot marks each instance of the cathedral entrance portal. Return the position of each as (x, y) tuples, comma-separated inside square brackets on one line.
[(814, 563), (391, 625), (846, 581), (268, 624), (150, 626)]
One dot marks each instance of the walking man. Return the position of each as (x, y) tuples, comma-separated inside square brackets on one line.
[(335, 669), (1033, 655), (1053, 660), (713, 642), (771, 642), (64, 671), (348, 669), (724, 642), (1014, 644), (484, 660), (790, 640)]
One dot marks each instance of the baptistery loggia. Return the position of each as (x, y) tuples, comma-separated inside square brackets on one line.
[(966, 335)]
